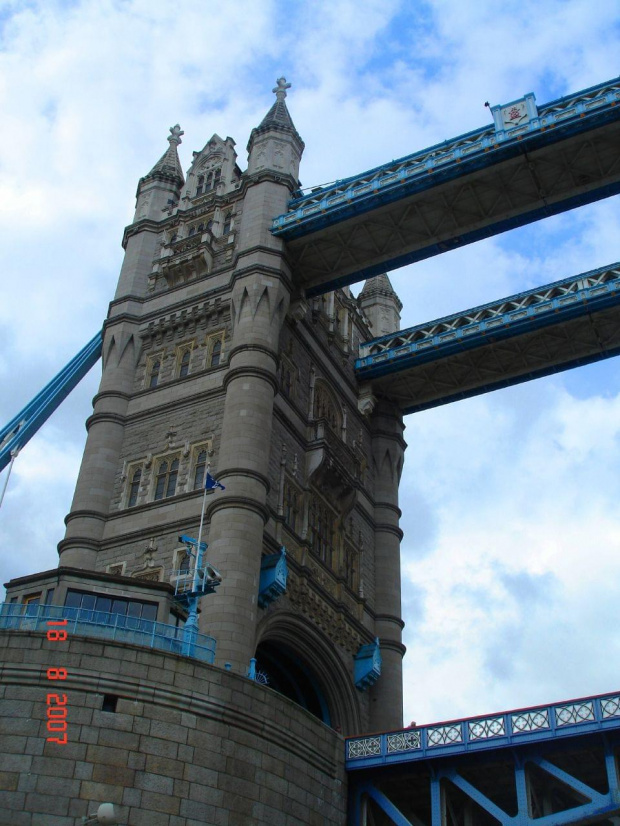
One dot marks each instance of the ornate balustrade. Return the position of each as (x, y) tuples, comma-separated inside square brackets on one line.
[(510, 728)]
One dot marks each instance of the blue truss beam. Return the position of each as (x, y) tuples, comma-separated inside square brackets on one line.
[(540, 724), (551, 305), (22, 427), (555, 121)]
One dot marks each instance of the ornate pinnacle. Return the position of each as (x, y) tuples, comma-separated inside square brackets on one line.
[(175, 134), (280, 88)]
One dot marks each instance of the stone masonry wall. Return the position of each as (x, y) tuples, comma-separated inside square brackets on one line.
[(189, 744)]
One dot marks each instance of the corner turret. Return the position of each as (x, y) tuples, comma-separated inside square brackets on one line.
[(275, 145), (161, 187), (381, 306)]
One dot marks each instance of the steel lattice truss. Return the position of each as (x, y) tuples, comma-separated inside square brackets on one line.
[(550, 765), (452, 194), (561, 325)]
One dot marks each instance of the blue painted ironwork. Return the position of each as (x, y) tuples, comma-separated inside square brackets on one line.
[(108, 626), (480, 148), (367, 665), (191, 586), (512, 728), (22, 427), (515, 741), (273, 575), (544, 306)]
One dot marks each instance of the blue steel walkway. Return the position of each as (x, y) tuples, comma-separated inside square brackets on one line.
[(547, 765)]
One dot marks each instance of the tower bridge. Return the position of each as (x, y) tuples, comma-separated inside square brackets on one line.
[(532, 163), (234, 346)]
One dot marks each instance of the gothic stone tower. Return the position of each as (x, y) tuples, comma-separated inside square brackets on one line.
[(213, 357)]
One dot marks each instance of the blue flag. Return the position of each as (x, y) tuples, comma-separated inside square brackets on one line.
[(210, 483)]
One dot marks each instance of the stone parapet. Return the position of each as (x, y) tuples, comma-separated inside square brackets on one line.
[(188, 743)]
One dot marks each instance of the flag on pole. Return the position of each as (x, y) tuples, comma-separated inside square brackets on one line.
[(210, 483)]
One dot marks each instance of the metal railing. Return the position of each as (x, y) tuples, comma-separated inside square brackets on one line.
[(107, 626), (396, 174), (496, 730)]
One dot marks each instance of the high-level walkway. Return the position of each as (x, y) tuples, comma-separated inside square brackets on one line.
[(531, 163), (551, 328), (543, 766)]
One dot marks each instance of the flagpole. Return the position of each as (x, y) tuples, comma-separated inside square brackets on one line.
[(202, 519)]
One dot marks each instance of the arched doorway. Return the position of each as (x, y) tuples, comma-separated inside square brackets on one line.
[(289, 675), (301, 663)]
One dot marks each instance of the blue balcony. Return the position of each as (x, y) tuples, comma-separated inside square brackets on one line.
[(106, 626)]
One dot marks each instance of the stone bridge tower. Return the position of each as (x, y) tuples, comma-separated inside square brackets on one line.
[(213, 358)]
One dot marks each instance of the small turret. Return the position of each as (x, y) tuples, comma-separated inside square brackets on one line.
[(275, 145), (162, 185), (380, 305)]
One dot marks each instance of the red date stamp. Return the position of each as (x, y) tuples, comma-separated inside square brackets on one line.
[(57, 703)]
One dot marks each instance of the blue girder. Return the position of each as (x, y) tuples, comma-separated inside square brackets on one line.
[(556, 121), (22, 427), (383, 767), (516, 315)]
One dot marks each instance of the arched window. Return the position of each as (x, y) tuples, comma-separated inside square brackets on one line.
[(216, 177), (209, 182), (292, 506), (184, 364), (216, 353), (201, 227), (227, 223), (322, 523), (201, 183), (166, 481), (173, 237), (325, 407), (199, 470), (210, 226), (192, 231), (154, 373), (134, 487)]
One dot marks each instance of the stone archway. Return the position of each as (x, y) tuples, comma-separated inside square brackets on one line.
[(302, 663)]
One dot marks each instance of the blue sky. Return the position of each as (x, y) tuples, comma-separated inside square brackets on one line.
[(511, 563)]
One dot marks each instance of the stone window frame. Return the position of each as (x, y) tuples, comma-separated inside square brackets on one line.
[(210, 342), (292, 494), (155, 574), (112, 565), (288, 375), (158, 461), (150, 362), (181, 350), (133, 468), (328, 554), (206, 446), (325, 406), (179, 556)]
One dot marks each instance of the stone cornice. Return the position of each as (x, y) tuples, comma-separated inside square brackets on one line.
[(242, 502), (105, 416), (254, 372)]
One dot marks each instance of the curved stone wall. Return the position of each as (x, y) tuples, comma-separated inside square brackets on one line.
[(188, 743)]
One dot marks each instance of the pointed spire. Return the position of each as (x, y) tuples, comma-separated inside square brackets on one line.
[(379, 285), (277, 118), (169, 166), (381, 306)]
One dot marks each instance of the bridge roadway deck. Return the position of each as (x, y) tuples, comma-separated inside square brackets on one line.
[(475, 186), (552, 328), (548, 765)]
